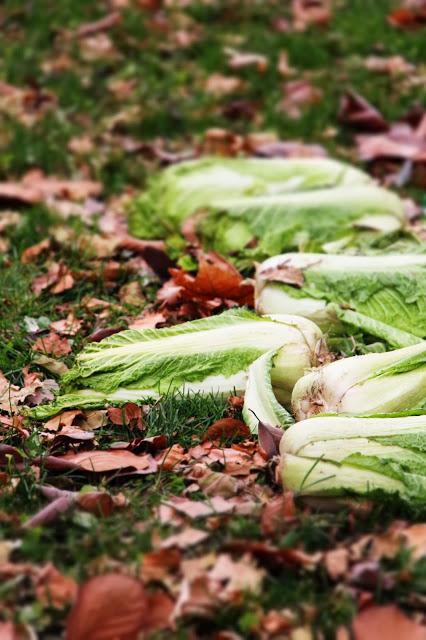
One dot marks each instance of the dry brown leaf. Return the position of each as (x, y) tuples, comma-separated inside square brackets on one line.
[(242, 59), (386, 622), (160, 609), (358, 112), (112, 460), (189, 537), (297, 95), (108, 21), (195, 598), (131, 294), (219, 85), (58, 279), (216, 284), (227, 428), (149, 320), (69, 326), (130, 415), (108, 607), (63, 419), (222, 142), (310, 12), (337, 562), (277, 512), (283, 66), (394, 65), (197, 509), (81, 145), (54, 588), (236, 577), (52, 344), (285, 273), (411, 15), (31, 253), (157, 565)]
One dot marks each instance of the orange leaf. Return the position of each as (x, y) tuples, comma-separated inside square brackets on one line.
[(108, 607)]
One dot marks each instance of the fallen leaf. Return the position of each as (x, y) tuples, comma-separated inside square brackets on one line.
[(411, 15), (386, 622), (270, 438), (277, 512), (100, 503), (160, 608), (310, 12), (109, 460), (54, 588), (196, 598), (358, 112), (63, 419), (58, 279), (236, 577), (31, 253), (297, 95), (283, 272), (52, 344), (69, 326), (157, 565), (197, 509), (227, 428), (189, 537), (131, 294), (336, 562), (394, 65), (222, 142), (130, 415), (108, 607), (242, 59), (219, 85), (283, 66), (108, 21), (217, 283), (148, 320)]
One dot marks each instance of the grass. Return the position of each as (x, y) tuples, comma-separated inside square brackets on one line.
[(168, 100)]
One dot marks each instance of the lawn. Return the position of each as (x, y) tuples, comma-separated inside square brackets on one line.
[(101, 95)]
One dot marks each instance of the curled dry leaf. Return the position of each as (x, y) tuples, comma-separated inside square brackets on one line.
[(270, 438), (108, 607)]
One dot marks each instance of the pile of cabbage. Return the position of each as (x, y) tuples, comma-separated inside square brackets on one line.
[(351, 425)]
